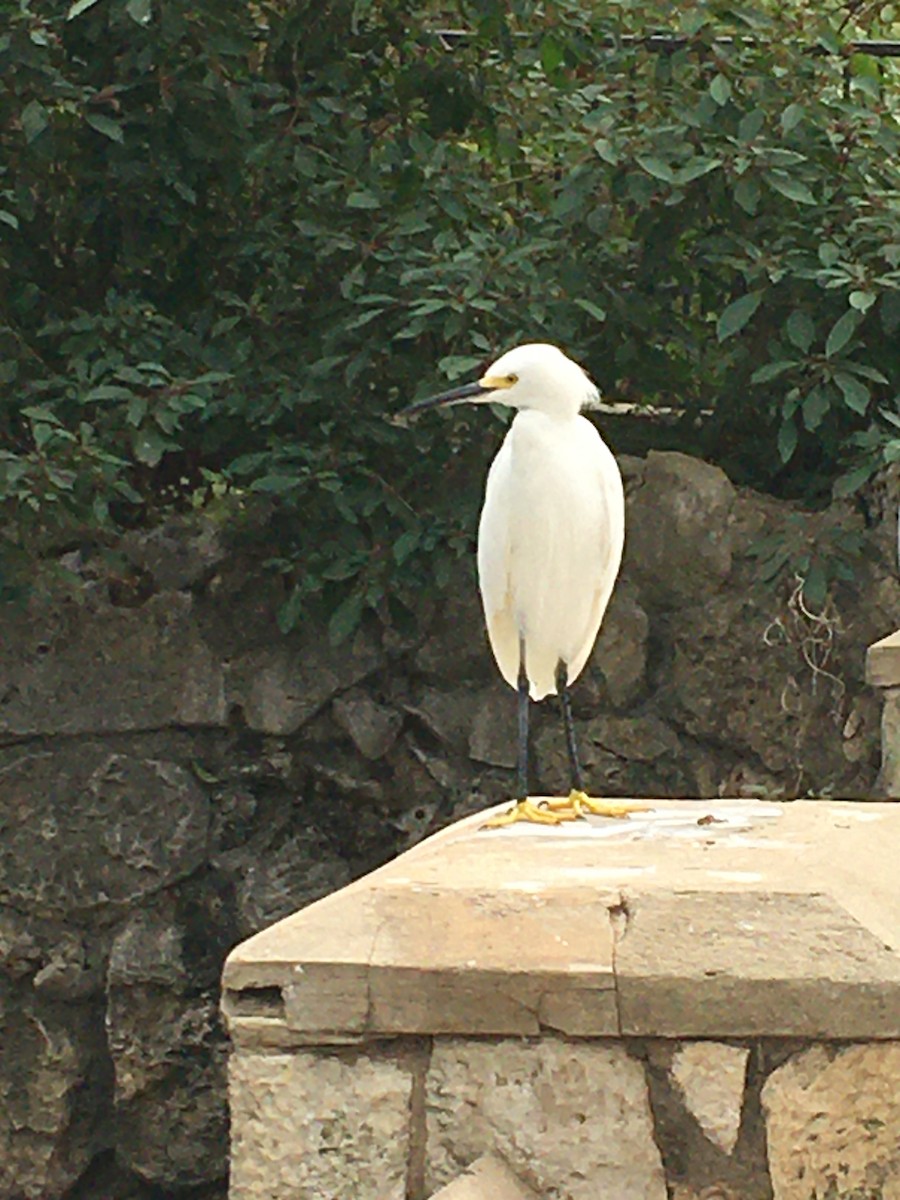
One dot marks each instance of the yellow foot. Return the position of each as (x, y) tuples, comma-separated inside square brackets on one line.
[(580, 804), (557, 810), (527, 810)]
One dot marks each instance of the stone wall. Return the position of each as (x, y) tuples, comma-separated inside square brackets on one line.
[(625, 1119), (174, 775)]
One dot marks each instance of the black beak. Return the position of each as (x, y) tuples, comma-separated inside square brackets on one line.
[(454, 396)]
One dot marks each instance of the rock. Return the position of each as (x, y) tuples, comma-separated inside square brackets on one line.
[(372, 727), (570, 1119), (448, 715), (69, 668), (273, 883), (51, 1097), (678, 533), (710, 1077), (310, 1125), (641, 739), (89, 829), (281, 685), (621, 649), (494, 737), (169, 1056), (177, 554), (457, 649), (831, 1123)]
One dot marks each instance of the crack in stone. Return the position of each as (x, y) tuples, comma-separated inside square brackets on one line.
[(619, 920), (418, 1129)]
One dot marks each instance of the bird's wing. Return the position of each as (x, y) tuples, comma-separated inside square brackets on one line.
[(494, 547)]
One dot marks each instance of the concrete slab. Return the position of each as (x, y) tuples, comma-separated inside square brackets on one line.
[(722, 918)]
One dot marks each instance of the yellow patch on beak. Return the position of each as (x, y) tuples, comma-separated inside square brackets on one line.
[(496, 383)]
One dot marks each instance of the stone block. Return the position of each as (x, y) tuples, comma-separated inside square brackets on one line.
[(710, 1077), (98, 668), (487, 1179), (312, 1126), (832, 1121), (889, 778), (753, 963), (90, 829), (571, 1119), (883, 662)]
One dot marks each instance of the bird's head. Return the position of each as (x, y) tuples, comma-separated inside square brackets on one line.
[(536, 376)]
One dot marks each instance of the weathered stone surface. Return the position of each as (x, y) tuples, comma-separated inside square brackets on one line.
[(493, 739), (883, 662), (271, 883), (448, 715), (832, 1119), (571, 1119), (88, 828), (168, 1053), (679, 540), (97, 668), (638, 739), (371, 726), (283, 683), (889, 777), (309, 1125), (696, 964), (621, 649), (486, 1179), (177, 554), (710, 1077), (51, 1100)]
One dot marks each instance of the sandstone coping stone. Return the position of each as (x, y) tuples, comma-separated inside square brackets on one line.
[(309, 1126), (697, 919), (883, 662)]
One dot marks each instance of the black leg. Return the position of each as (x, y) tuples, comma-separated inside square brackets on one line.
[(522, 763), (562, 688)]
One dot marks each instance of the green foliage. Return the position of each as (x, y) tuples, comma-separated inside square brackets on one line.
[(235, 236)]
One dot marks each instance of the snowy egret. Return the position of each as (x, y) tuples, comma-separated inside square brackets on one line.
[(549, 544)]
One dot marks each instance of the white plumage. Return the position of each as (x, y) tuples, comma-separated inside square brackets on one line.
[(550, 543), (553, 523)]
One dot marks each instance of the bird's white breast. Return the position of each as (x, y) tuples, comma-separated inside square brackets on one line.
[(550, 544)]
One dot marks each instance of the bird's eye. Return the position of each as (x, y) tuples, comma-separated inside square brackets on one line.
[(512, 379)]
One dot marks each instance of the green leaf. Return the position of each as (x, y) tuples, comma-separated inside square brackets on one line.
[(815, 406), (850, 483), (720, 90), (787, 441), (772, 370), (800, 329), (751, 124), (139, 11), (791, 117), (106, 125), (856, 393), (78, 8), (363, 199), (405, 544), (695, 168), (842, 331), (794, 189), (9, 218), (289, 613), (862, 300), (552, 54), (34, 120), (345, 618), (737, 314), (593, 310), (656, 167), (746, 193), (149, 446)]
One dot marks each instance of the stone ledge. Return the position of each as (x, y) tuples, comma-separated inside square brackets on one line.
[(883, 662), (699, 919)]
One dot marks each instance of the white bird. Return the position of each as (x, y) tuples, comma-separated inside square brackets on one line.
[(550, 543)]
